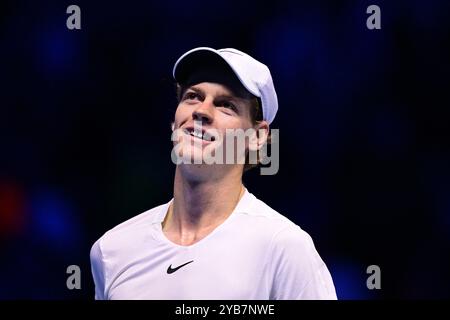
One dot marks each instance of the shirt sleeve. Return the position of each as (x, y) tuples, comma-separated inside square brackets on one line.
[(98, 270), (298, 272)]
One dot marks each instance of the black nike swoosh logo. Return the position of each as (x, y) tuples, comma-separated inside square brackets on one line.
[(172, 270)]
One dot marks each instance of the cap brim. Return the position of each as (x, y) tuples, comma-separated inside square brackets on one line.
[(204, 57), (195, 59)]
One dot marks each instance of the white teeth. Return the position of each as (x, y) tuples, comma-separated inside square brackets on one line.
[(200, 135), (197, 134), (206, 136)]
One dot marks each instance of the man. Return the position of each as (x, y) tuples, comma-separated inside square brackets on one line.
[(214, 239)]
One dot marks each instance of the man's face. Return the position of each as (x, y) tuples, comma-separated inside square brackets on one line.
[(215, 108)]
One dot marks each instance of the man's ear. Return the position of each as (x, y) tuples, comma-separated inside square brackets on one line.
[(259, 137)]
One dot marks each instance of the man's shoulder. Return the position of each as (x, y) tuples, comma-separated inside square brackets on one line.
[(257, 209), (261, 225), (268, 220), (129, 230), (144, 218)]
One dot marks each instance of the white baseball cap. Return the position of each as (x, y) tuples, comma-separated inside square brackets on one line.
[(253, 75)]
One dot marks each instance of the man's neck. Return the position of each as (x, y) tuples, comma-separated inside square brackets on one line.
[(200, 206)]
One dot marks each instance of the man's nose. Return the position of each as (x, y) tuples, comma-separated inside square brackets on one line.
[(204, 112)]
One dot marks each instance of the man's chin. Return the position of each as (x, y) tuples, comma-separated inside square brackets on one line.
[(198, 161), (200, 156)]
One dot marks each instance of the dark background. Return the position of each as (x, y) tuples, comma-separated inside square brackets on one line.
[(364, 128)]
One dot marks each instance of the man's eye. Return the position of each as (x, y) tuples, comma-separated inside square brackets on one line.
[(191, 96), (229, 105)]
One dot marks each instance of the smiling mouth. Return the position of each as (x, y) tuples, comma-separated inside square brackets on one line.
[(200, 134)]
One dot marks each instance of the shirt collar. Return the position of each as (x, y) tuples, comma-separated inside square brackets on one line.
[(243, 206)]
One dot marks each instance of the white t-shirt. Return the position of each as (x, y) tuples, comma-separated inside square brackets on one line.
[(256, 253)]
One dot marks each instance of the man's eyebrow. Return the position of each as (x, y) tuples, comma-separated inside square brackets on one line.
[(220, 96), (228, 97), (195, 89)]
